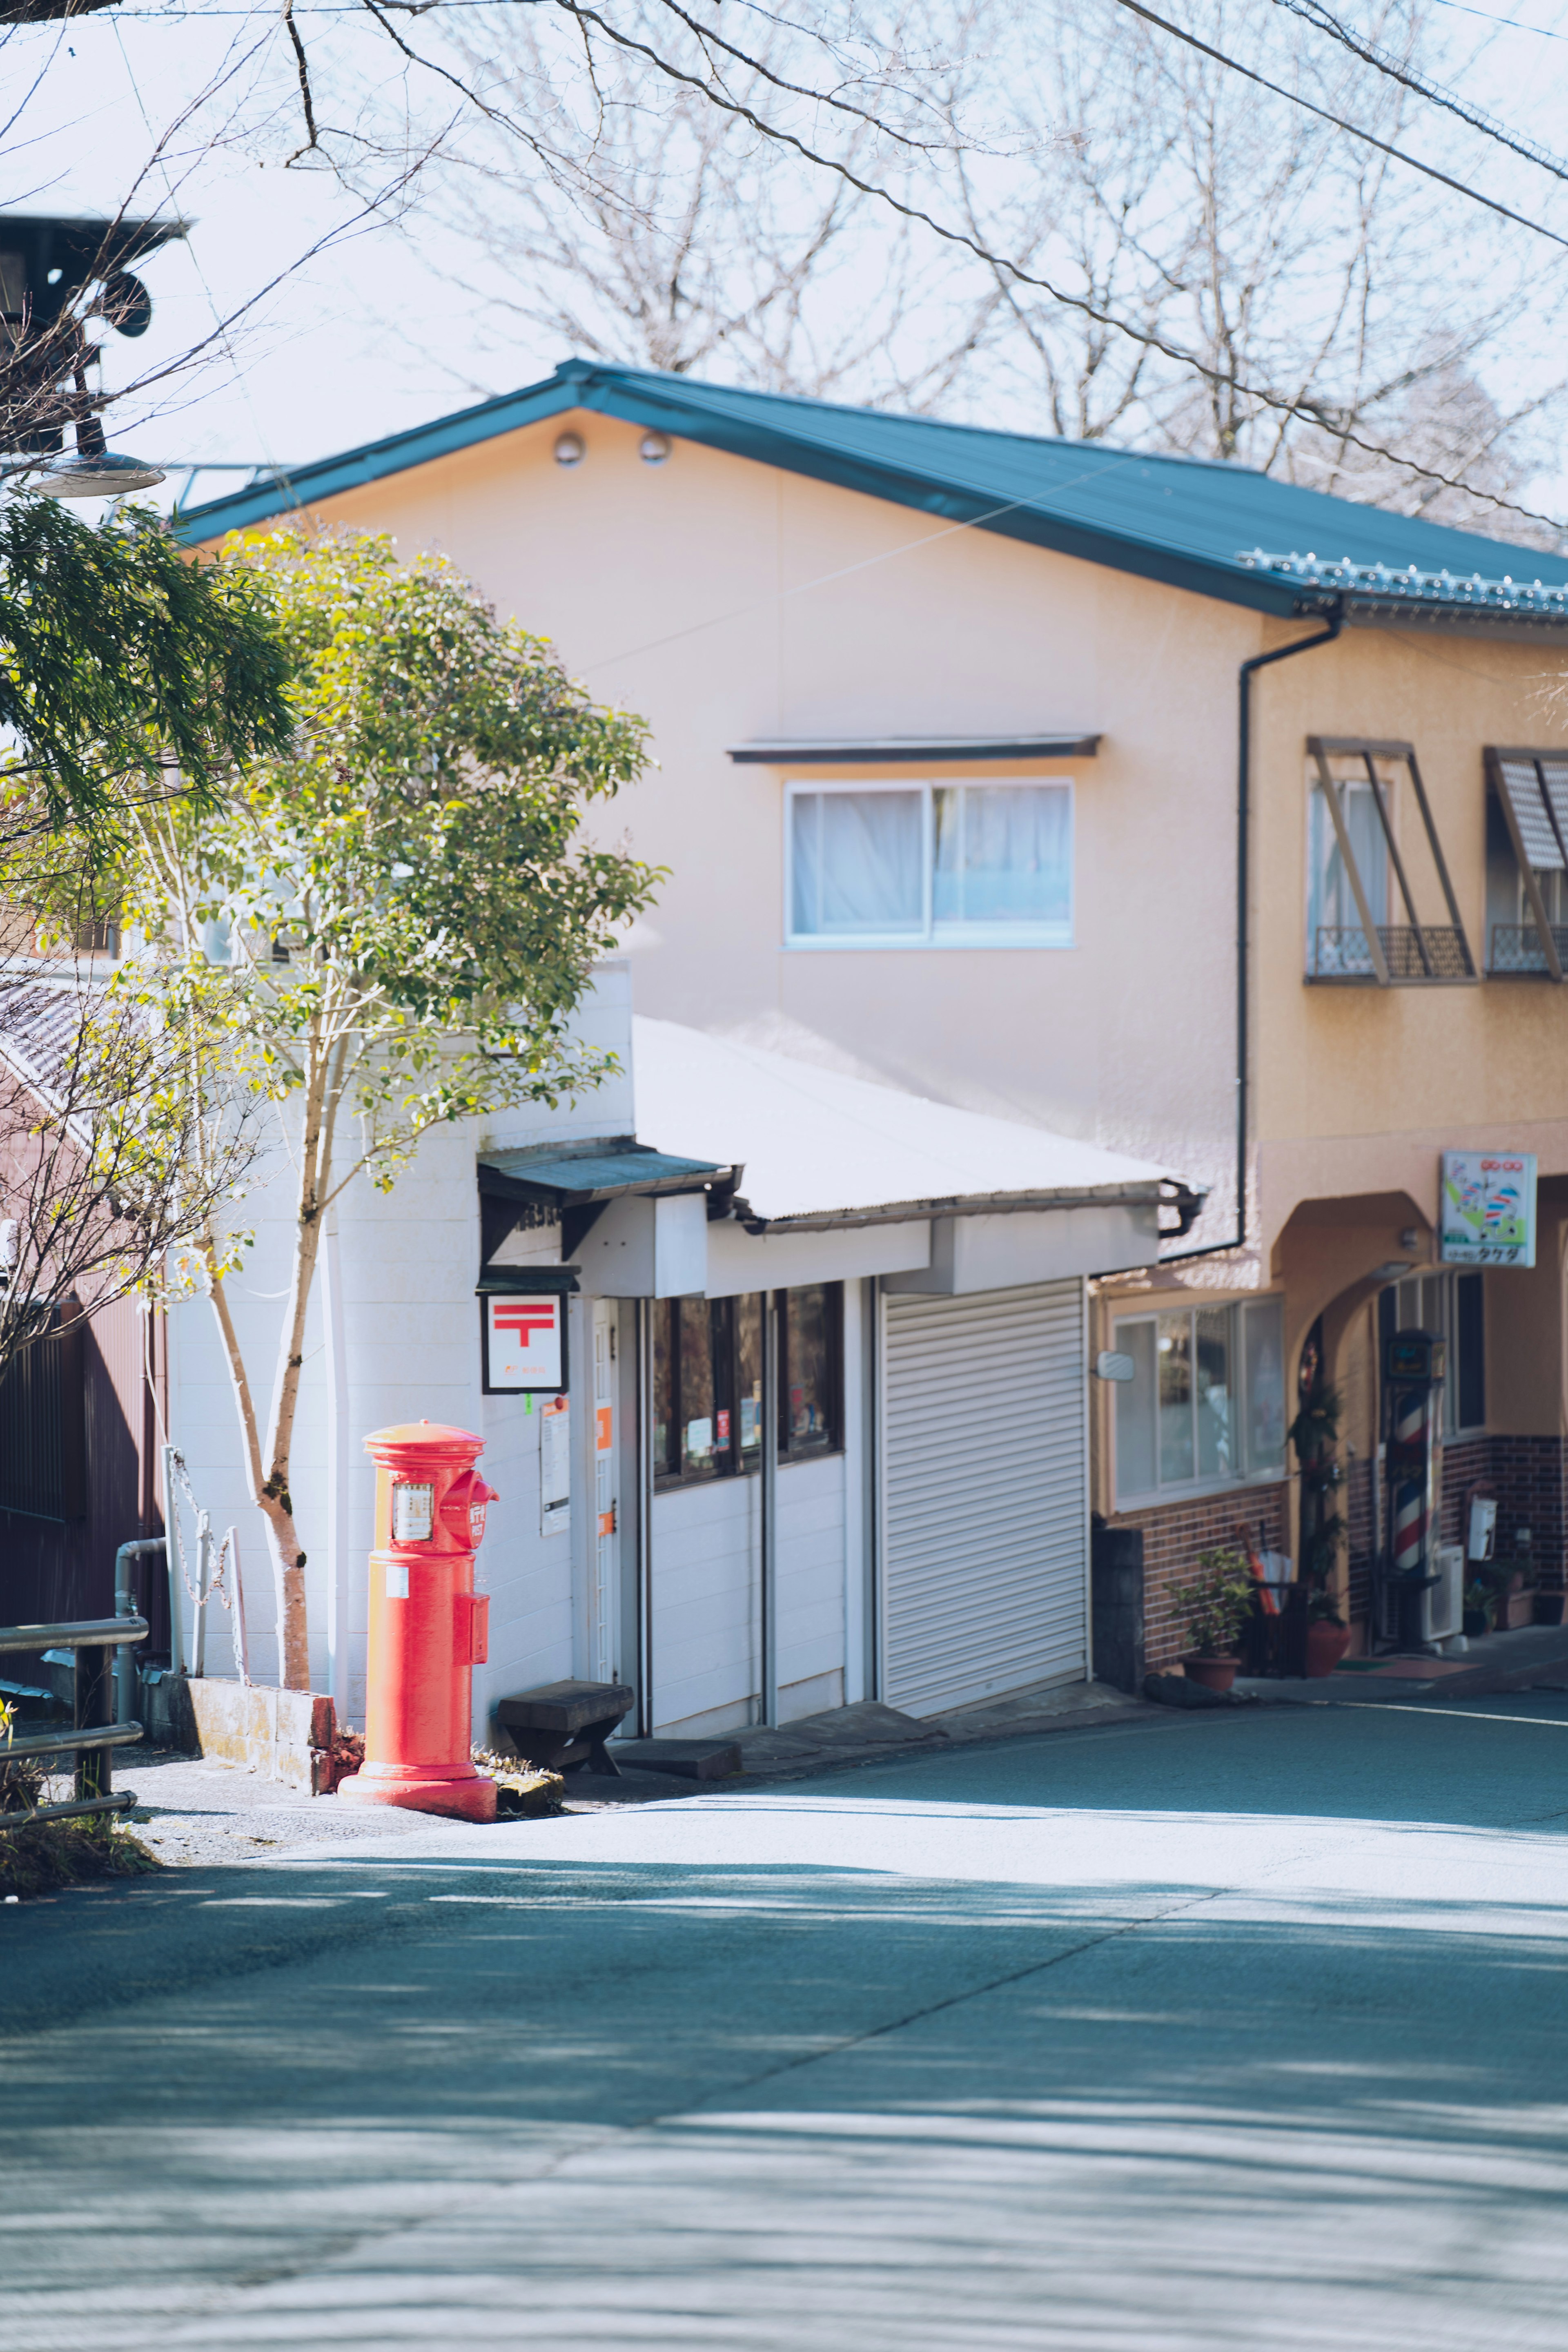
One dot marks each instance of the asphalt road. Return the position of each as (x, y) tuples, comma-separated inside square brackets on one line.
[(1243, 2030)]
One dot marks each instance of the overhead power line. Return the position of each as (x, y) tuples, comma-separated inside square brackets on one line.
[(1370, 138), (1312, 12), (1318, 413)]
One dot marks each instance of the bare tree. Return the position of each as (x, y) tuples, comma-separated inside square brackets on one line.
[(1235, 225), (1217, 236), (648, 226), (115, 1152)]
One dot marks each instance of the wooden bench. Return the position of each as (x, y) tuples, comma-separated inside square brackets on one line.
[(565, 1724)]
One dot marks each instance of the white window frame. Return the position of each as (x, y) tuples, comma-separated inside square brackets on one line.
[(1189, 1489), (1007, 936)]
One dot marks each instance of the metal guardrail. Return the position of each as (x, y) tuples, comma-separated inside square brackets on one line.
[(93, 1736)]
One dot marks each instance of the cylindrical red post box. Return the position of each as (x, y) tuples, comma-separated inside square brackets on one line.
[(428, 1627)]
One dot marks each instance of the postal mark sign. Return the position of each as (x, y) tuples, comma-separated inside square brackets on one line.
[(523, 1343)]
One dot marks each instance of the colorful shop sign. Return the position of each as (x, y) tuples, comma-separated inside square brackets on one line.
[(1486, 1212)]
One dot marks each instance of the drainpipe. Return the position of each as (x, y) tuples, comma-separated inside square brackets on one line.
[(1335, 620), (125, 1606), (770, 1508)]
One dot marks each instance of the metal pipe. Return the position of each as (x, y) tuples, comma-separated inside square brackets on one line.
[(123, 1803), (82, 1633), (769, 1508), (645, 1472), (61, 1743), (204, 1587), (176, 1581), (1335, 620), (125, 1606), (237, 1633)]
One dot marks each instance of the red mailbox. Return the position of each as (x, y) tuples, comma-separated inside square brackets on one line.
[(428, 1627)]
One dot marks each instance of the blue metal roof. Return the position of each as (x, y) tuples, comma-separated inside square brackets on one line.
[(601, 1174), (1219, 530)]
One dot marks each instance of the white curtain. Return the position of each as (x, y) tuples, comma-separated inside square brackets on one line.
[(859, 862), (1004, 855), (1333, 902)]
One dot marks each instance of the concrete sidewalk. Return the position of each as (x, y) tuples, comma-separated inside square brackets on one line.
[(197, 1811), (1533, 1657)]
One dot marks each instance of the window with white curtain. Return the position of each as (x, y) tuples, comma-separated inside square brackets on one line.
[(1335, 936), (963, 865)]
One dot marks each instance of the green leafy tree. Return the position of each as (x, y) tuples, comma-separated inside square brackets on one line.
[(407, 901), (128, 673)]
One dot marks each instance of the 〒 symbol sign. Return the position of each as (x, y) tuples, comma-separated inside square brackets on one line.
[(524, 1343)]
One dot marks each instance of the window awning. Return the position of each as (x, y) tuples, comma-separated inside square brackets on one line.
[(908, 750), (547, 1176), (1531, 790)]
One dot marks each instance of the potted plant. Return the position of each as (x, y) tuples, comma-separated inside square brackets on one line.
[(1477, 1618), (1216, 1603), (1328, 1635)]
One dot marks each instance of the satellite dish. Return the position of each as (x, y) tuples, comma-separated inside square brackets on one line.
[(126, 304)]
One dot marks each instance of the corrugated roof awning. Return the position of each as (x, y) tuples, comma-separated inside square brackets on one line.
[(547, 1175)]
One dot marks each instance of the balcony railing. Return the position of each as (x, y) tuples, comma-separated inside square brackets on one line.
[(1344, 953), (1517, 950)]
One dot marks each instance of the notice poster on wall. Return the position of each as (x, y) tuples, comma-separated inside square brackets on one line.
[(1486, 1208), (555, 1467)]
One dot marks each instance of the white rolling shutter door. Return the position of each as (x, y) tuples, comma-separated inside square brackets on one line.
[(984, 1499)]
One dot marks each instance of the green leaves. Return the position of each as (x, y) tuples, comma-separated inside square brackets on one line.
[(118, 655), (405, 886)]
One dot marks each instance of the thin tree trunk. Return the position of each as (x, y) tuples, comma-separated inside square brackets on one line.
[(315, 1141), (287, 1559)]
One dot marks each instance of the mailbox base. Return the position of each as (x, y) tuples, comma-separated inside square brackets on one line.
[(468, 1797)]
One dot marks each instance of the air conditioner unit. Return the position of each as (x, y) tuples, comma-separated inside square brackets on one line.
[(1442, 1604)]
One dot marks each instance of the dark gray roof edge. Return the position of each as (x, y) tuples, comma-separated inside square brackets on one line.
[(899, 751)]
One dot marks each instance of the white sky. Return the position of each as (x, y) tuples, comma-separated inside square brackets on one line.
[(318, 366)]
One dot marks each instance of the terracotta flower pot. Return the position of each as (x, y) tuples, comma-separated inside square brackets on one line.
[(1214, 1674), (1326, 1646)]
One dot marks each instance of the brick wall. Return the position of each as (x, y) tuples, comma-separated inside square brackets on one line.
[(1528, 1477), (1361, 1523), (1174, 1535)]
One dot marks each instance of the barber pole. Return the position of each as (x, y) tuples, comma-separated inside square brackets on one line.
[(1411, 1515)]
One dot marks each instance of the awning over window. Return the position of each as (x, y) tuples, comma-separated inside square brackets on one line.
[(1534, 832), (1531, 790)]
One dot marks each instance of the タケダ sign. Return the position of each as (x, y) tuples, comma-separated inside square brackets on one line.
[(1486, 1208)]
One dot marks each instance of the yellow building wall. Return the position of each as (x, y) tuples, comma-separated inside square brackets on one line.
[(727, 600)]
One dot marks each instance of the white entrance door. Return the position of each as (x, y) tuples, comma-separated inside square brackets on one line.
[(986, 1507), (604, 1534)]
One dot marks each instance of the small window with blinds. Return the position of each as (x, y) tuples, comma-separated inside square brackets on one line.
[(1527, 883)]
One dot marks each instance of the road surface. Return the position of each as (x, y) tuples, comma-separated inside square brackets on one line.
[(1233, 2030)]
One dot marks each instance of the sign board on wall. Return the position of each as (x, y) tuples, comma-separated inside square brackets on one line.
[(555, 1469), (1486, 1208), (525, 1343)]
